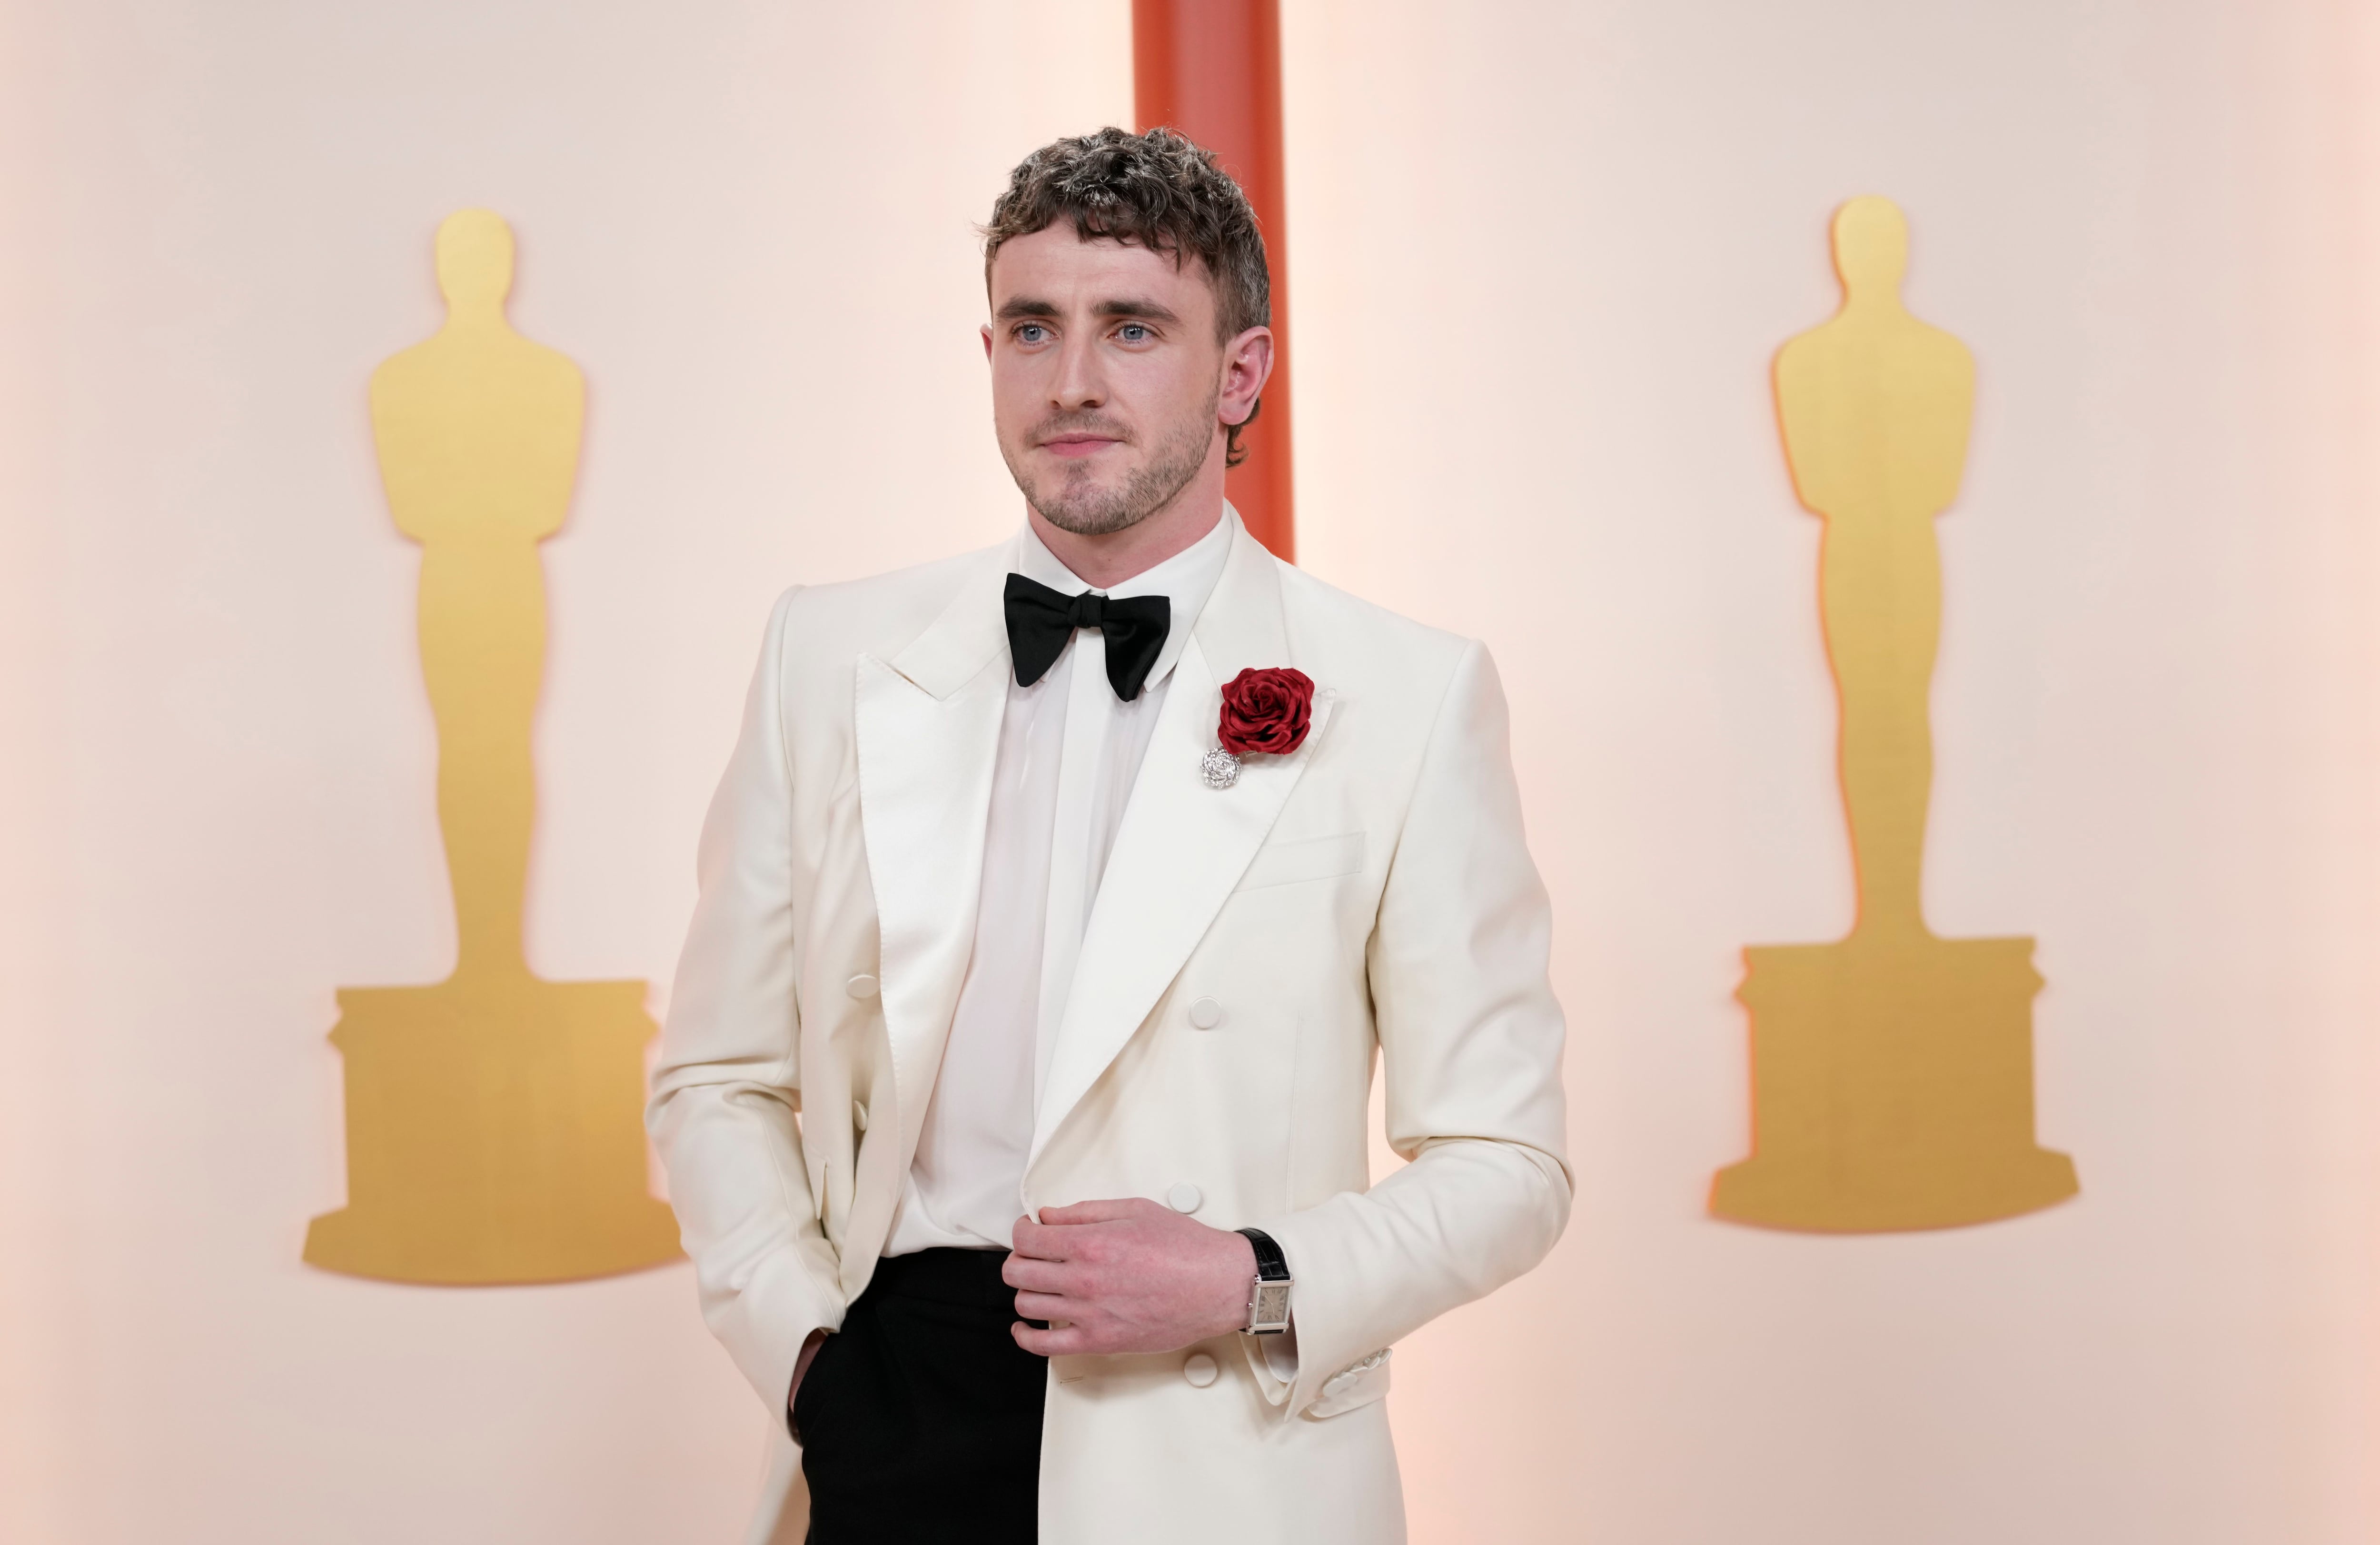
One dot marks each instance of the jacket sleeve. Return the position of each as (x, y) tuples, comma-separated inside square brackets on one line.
[(727, 1093), (1471, 1045)]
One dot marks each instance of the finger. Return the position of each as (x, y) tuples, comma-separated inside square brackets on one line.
[(1114, 1209), (1041, 1276), (1034, 1240), (1047, 1306), (1050, 1343)]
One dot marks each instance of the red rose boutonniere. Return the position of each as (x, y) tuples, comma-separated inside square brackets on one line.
[(1266, 712)]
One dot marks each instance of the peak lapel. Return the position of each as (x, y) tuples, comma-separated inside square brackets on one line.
[(927, 728), (1183, 845)]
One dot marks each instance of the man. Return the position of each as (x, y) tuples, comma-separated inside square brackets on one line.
[(1053, 907)]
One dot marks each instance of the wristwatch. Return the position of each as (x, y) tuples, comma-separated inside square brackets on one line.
[(1268, 1295)]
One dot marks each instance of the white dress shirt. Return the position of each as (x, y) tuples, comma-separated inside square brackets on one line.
[(1069, 753)]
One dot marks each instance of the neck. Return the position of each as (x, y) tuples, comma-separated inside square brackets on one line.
[(476, 312), (1176, 526)]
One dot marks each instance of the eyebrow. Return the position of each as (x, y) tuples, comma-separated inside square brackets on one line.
[(1148, 310), (1145, 310)]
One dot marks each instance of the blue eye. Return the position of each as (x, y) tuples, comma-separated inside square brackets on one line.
[(1032, 332), (1133, 333)]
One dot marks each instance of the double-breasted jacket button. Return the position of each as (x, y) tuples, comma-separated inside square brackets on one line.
[(859, 1115), (861, 986), (1200, 1370), (1205, 1013), (1183, 1197)]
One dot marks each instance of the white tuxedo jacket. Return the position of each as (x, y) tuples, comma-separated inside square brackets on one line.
[(1368, 892)]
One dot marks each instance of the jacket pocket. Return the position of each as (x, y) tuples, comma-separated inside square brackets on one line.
[(1287, 863)]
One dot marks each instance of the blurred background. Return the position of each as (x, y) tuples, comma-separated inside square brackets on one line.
[(1541, 255)]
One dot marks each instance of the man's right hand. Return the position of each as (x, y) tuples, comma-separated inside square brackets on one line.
[(802, 1366)]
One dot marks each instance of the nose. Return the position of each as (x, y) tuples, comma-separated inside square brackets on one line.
[(1079, 385)]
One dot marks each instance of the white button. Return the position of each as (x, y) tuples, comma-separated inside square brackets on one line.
[(861, 986), (859, 1115), (1200, 1370), (1205, 1013), (1183, 1197)]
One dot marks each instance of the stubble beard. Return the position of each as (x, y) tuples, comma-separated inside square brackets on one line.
[(1079, 506)]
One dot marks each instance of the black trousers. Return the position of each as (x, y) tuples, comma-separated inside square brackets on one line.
[(921, 1419)]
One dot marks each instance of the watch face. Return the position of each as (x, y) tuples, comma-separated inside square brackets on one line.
[(1272, 1304)]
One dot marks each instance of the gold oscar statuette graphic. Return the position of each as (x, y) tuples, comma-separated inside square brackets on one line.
[(493, 1119), (1892, 1071)]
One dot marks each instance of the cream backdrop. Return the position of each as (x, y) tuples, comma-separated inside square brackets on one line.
[(1543, 255)]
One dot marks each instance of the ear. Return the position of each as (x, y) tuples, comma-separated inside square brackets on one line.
[(1248, 365), (987, 340)]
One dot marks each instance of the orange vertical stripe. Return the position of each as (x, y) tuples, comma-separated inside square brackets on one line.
[(1211, 70)]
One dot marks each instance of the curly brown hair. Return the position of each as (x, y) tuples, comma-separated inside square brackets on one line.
[(1157, 190)]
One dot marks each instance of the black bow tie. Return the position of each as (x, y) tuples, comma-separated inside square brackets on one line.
[(1041, 620)]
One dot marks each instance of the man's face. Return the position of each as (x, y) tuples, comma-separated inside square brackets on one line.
[(1105, 376)]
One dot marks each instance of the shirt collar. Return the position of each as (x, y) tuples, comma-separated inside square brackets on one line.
[(1185, 580)]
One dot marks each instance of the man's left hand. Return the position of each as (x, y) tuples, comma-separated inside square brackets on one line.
[(1125, 1276)]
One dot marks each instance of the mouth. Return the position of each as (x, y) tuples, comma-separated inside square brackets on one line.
[(1075, 446)]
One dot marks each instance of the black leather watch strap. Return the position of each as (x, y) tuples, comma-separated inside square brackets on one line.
[(1268, 1294), (1271, 1265)]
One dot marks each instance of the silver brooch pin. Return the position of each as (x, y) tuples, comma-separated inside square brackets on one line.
[(1220, 768)]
